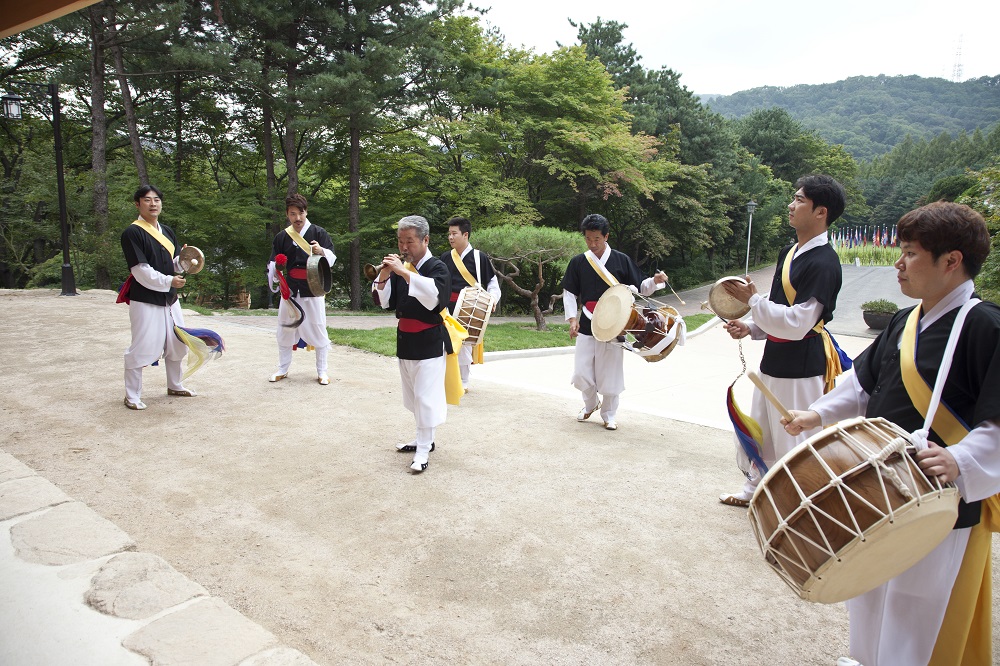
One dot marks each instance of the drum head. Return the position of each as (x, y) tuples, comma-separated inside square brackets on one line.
[(722, 304), (611, 313), (191, 259), (318, 275)]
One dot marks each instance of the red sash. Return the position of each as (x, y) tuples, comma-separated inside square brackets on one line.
[(123, 292), (298, 273), (407, 325)]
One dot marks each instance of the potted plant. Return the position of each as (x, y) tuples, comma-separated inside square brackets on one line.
[(878, 313)]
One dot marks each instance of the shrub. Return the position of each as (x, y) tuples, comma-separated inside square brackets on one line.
[(880, 305)]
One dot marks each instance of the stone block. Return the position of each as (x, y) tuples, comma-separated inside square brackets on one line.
[(12, 468), (21, 496), (207, 633), (280, 656), (67, 534), (139, 585)]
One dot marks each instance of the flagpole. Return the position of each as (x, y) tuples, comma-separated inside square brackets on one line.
[(751, 207)]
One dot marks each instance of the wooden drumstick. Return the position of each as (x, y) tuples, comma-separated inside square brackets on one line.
[(759, 383)]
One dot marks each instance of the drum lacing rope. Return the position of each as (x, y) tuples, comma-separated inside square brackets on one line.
[(877, 460)]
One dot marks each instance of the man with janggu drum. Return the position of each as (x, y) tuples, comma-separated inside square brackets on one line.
[(938, 611), (598, 367)]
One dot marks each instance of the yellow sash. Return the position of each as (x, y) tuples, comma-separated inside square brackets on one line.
[(477, 350), (453, 389), (966, 634), (833, 367), (946, 425), (460, 265), (600, 270), (157, 234), (299, 240)]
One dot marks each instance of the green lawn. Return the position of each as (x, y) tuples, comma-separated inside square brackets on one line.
[(499, 337)]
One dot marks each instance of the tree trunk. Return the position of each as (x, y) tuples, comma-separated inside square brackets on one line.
[(178, 128), (99, 138), (288, 138), (354, 214), (133, 125)]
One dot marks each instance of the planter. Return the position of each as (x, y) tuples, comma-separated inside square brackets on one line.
[(877, 320)]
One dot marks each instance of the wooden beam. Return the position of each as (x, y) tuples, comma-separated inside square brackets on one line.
[(19, 15)]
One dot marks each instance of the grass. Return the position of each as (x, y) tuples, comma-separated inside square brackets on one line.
[(499, 337)]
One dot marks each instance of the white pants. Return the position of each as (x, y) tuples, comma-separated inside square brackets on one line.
[(312, 330), (599, 367), (152, 337), (793, 394), (424, 395), (897, 623), (465, 363)]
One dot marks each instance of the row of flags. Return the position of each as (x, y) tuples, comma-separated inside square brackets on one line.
[(884, 236)]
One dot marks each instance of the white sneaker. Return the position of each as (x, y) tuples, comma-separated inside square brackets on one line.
[(276, 377), (417, 467), (847, 661), (611, 425), (323, 380)]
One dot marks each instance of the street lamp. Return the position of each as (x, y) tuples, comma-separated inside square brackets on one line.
[(751, 207), (12, 110)]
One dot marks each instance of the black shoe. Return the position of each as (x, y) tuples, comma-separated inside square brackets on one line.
[(409, 448)]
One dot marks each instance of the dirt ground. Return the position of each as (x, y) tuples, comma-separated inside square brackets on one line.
[(531, 539)]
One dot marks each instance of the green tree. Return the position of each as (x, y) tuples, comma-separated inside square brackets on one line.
[(527, 259)]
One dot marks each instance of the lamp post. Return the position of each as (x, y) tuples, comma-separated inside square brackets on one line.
[(12, 110), (751, 207)]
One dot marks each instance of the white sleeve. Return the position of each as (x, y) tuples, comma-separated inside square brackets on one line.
[(272, 277), (570, 305), (150, 278), (330, 256), (494, 288), (782, 321), (424, 289), (978, 458), (648, 287), (383, 293), (845, 401)]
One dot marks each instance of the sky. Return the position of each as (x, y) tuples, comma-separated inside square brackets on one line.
[(723, 46)]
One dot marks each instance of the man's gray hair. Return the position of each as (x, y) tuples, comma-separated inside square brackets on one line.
[(417, 223)]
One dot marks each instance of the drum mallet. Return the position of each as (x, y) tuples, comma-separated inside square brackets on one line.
[(773, 399)]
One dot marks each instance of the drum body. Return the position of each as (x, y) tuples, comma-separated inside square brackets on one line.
[(318, 275), (191, 259), (722, 304), (848, 509), (650, 332), (472, 310)]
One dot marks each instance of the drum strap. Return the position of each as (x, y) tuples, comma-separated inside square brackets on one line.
[(834, 359), (156, 234), (298, 239), (460, 265), (946, 423), (600, 268), (604, 274)]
